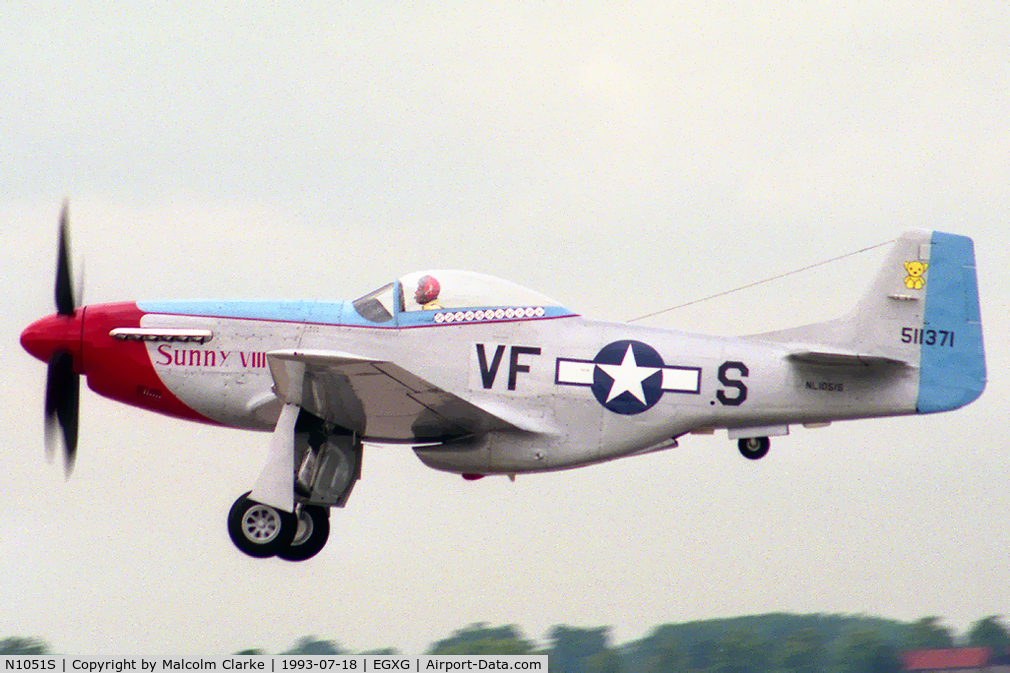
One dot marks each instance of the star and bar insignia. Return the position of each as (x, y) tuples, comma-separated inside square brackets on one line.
[(628, 377)]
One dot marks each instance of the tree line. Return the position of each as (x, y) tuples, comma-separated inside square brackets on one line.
[(772, 643)]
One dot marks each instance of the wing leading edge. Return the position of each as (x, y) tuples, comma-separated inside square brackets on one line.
[(378, 399)]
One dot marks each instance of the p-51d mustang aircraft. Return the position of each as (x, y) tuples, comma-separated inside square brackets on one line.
[(483, 377)]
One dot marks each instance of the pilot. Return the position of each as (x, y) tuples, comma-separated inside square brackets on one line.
[(427, 293)]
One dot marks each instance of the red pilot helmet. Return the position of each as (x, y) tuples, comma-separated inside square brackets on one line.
[(427, 290)]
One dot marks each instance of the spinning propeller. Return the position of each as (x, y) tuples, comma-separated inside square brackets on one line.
[(57, 338)]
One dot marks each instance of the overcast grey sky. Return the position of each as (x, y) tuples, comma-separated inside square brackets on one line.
[(620, 157)]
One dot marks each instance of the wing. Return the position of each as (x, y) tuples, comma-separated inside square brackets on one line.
[(378, 399)]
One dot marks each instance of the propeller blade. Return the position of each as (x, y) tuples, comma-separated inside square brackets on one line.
[(69, 414), (63, 384), (63, 389), (52, 400), (64, 284)]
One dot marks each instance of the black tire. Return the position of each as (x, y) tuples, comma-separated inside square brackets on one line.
[(754, 448), (313, 532), (260, 530)]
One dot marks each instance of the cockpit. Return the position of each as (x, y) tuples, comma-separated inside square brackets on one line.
[(440, 297)]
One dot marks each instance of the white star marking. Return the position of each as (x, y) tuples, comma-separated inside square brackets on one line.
[(628, 376)]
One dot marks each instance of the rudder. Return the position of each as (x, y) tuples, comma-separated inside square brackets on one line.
[(952, 369)]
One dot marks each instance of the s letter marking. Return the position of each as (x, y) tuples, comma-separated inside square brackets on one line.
[(738, 398)]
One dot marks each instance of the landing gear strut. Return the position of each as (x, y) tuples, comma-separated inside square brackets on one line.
[(312, 468), (754, 448)]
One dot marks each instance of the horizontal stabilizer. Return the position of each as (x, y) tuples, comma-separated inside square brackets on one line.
[(833, 358)]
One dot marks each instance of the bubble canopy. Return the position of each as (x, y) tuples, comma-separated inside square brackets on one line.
[(442, 296)]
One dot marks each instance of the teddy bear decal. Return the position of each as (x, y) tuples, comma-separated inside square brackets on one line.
[(914, 279)]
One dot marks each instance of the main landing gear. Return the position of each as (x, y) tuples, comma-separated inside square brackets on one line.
[(754, 448), (262, 531), (326, 465)]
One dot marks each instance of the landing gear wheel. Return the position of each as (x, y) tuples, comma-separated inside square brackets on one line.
[(754, 448), (260, 530), (313, 532)]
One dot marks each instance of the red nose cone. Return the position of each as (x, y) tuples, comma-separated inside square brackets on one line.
[(54, 332)]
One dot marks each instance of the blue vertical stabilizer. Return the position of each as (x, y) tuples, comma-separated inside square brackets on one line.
[(951, 359)]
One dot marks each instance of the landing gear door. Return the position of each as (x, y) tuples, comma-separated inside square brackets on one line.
[(327, 472)]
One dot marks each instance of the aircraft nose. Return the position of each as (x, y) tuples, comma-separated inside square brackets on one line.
[(53, 332)]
